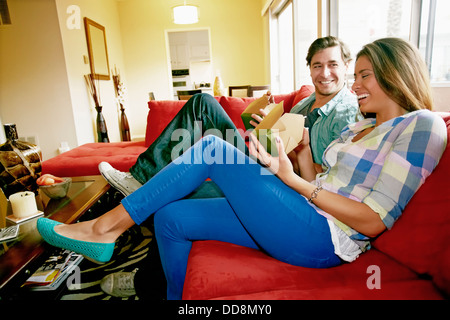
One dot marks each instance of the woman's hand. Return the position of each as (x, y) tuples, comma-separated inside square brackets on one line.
[(280, 166)]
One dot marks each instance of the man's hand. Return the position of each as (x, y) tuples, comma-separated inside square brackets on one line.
[(258, 118)]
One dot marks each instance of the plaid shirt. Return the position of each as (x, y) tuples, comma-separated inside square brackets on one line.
[(386, 167)]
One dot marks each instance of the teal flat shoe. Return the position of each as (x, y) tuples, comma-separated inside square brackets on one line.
[(96, 252)]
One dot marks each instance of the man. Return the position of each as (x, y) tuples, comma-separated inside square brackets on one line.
[(328, 110), (332, 106)]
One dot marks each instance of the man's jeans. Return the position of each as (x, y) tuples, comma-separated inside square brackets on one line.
[(202, 113)]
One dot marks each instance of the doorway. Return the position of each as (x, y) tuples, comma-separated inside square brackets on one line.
[(190, 60)]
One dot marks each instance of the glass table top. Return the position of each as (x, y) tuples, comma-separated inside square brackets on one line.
[(46, 205)]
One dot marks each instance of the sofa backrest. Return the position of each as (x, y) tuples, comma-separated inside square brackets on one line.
[(161, 112), (420, 239), (159, 115), (235, 106)]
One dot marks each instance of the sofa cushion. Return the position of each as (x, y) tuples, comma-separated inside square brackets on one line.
[(397, 290), (216, 270), (159, 115), (234, 106), (161, 112), (419, 237), (84, 160), (304, 92), (291, 99), (441, 274)]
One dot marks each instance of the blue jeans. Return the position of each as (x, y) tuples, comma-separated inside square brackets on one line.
[(258, 211)]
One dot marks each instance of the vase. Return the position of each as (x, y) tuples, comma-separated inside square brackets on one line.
[(20, 163), (102, 131), (124, 126), (219, 90)]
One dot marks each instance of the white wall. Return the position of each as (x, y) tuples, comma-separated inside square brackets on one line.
[(35, 93), (106, 14), (42, 67), (237, 47)]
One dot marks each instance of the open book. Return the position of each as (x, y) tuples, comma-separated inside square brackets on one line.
[(288, 126)]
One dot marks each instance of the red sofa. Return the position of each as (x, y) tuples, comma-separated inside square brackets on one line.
[(411, 261), (84, 160)]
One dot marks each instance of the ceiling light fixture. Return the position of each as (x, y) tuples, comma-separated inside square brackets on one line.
[(185, 14)]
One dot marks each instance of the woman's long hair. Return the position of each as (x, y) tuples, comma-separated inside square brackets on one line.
[(401, 72)]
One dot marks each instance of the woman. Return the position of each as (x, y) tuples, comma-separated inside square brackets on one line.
[(370, 174)]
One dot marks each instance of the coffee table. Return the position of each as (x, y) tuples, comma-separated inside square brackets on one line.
[(19, 257)]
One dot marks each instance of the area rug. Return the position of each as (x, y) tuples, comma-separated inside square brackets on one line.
[(131, 248)]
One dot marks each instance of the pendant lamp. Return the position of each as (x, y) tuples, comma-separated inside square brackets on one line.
[(185, 14)]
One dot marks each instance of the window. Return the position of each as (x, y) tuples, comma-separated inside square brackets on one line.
[(281, 47), (286, 49), (363, 21), (435, 38), (293, 29), (294, 25), (305, 26)]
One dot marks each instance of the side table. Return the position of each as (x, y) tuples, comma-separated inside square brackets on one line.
[(21, 256)]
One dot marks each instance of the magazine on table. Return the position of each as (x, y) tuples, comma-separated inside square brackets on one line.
[(54, 270)]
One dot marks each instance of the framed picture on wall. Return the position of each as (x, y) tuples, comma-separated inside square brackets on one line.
[(97, 48)]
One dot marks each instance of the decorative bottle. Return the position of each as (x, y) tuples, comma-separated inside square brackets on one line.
[(218, 86), (20, 163)]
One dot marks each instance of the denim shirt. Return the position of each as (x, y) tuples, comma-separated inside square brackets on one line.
[(340, 111)]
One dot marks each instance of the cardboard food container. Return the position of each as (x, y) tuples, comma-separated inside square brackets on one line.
[(289, 126)]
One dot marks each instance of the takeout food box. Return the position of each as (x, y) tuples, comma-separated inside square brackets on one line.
[(288, 126), (254, 108)]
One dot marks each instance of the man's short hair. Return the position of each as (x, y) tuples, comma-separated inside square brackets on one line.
[(325, 43)]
